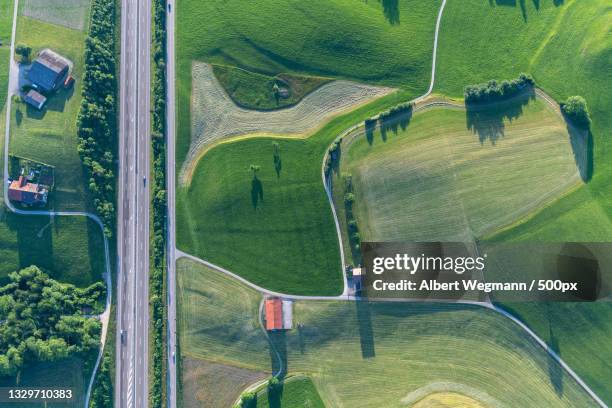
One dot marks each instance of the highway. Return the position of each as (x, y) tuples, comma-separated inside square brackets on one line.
[(131, 386), (170, 180)]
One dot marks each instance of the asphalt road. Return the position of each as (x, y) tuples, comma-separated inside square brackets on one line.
[(132, 388), (171, 178)]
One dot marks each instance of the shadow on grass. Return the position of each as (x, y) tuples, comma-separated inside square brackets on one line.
[(34, 241), (256, 192), (391, 11), (555, 371), (56, 102), (487, 119), (582, 146), (366, 333), (278, 351)]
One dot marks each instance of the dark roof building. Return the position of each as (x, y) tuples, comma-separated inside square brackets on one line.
[(48, 71), (35, 99), (27, 193)]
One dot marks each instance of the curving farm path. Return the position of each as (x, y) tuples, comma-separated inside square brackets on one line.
[(13, 89)]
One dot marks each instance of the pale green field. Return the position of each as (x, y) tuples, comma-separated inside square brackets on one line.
[(452, 176), (372, 355), (50, 136), (68, 13)]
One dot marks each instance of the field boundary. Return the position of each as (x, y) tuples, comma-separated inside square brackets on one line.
[(104, 316)]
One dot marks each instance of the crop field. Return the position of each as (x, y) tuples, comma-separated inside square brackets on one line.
[(69, 373), (440, 179), (68, 248), (6, 19), (50, 136), (217, 117), (297, 392), (354, 350), (68, 13)]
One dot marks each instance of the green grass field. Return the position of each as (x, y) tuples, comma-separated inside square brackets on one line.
[(6, 19), (452, 175), (50, 136), (371, 354), (297, 392), (568, 50), (68, 248), (305, 39), (72, 373), (256, 91)]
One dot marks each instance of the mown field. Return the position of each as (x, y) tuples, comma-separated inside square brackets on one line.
[(50, 136), (68, 13), (567, 47), (352, 351), (366, 45), (6, 19), (453, 175), (297, 392)]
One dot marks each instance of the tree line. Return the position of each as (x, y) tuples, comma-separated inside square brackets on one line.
[(158, 241), (96, 121), (44, 320), (494, 91)]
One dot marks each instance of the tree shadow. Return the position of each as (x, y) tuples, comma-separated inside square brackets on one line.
[(391, 11), (278, 165), (335, 156), (366, 334), (275, 395), (370, 127), (582, 147), (256, 191), (487, 119), (555, 371), (278, 350), (397, 118), (18, 115), (34, 241)]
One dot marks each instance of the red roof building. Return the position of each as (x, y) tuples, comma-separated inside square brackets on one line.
[(24, 192), (274, 314)]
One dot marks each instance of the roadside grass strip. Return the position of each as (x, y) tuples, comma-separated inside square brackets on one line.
[(371, 354), (453, 175), (68, 13), (217, 117)]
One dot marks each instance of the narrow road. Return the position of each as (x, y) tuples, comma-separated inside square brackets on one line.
[(132, 358), (13, 89), (170, 180)]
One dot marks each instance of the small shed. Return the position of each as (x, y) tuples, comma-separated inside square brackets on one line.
[(35, 99), (274, 314), (358, 275), (287, 314)]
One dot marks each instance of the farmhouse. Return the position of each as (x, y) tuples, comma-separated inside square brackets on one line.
[(49, 71), (35, 99), (279, 314), (24, 192)]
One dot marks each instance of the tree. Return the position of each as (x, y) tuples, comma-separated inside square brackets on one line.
[(254, 168), (248, 400), (24, 52), (575, 108)]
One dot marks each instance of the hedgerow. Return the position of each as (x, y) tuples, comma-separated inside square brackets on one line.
[(493, 91), (96, 121), (158, 241)]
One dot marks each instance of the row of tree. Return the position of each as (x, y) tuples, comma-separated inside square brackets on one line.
[(96, 121), (44, 320), (493, 91), (158, 241)]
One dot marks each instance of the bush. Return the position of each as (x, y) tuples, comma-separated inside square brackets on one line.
[(248, 400), (24, 53), (575, 108), (349, 199), (493, 91)]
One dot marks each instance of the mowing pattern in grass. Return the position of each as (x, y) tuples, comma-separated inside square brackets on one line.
[(199, 376), (67, 248), (296, 392), (372, 354), (568, 49), (6, 19), (304, 38), (442, 180), (251, 90), (68, 13), (216, 116), (49, 136)]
